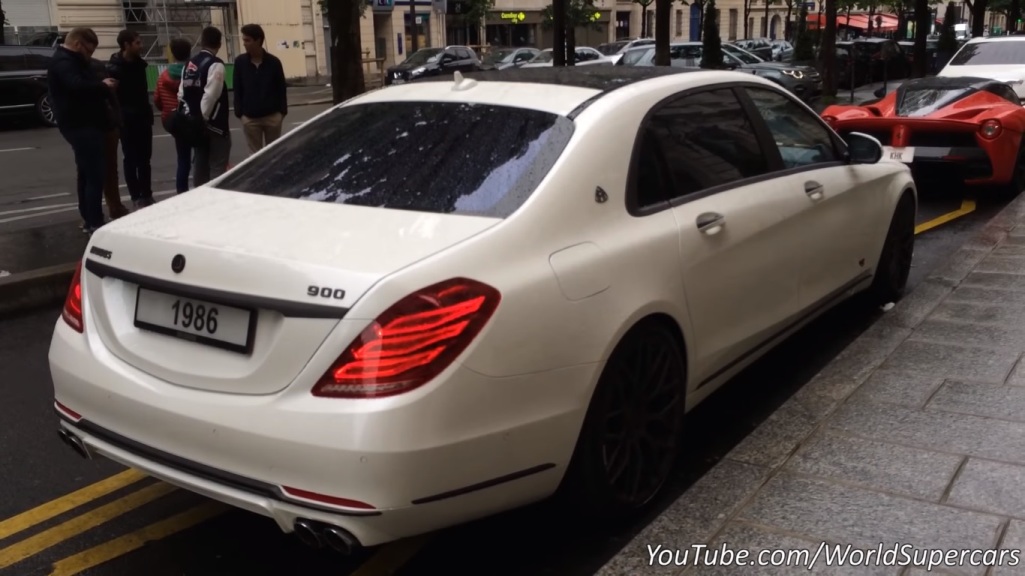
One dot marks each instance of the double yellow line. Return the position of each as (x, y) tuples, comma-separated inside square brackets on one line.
[(386, 561), (68, 529)]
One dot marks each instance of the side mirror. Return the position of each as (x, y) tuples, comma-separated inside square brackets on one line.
[(863, 149)]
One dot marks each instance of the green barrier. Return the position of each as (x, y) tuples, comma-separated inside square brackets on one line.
[(153, 71)]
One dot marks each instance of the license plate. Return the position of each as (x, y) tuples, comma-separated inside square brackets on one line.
[(905, 155), (195, 320)]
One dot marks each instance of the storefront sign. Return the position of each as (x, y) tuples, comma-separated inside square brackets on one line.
[(514, 17), (384, 5)]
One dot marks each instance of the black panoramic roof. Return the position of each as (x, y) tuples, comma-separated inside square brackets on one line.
[(949, 83), (603, 78)]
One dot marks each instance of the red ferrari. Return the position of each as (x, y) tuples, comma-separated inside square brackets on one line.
[(964, 128)]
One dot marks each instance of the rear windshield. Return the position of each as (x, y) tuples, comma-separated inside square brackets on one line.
[(990, 53), (439, 157), (925, 101)]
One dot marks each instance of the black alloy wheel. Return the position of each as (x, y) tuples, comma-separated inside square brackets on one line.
[(631, 435)]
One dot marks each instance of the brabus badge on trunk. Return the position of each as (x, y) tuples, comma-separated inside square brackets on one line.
[(178, 263)]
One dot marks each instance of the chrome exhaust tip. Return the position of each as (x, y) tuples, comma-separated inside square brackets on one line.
[(307, 533), (340, 540), (75, 443)]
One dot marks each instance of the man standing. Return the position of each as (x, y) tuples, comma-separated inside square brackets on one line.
[(261, 99), (205, 92), (129, 69), (79, 98)]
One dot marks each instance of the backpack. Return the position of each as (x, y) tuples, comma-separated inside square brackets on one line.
[(185, 125)]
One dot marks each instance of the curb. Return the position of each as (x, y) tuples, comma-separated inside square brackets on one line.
[(720, 495), (27, 291)]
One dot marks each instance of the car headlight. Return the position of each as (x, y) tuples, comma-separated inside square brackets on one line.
[(417, 71), (794, 74)]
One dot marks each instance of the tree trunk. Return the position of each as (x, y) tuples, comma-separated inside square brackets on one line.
[(644, 20), (571, 43), (1012, 16), (414, 38), (3, 20), (663, 9), (920, 56), (765, 21), (979, 17), (747, 19), (559, 25), (346, 50), (827, 51), (871, 19), (788, 29)]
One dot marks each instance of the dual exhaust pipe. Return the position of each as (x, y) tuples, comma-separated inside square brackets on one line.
[(75, 443), (318, 535), (310, 532)]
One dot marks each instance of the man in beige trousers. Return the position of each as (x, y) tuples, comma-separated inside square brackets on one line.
[(261, 94)]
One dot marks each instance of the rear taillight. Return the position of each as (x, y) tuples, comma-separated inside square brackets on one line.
[(990, 129), (72, 313), (411, 342)]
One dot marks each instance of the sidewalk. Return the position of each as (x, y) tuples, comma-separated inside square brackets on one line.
[(915, 434)]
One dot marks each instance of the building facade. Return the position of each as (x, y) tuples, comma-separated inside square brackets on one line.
[(29, 20)]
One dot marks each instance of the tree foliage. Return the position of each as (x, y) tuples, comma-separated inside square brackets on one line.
[(579, 14), (711, 49)]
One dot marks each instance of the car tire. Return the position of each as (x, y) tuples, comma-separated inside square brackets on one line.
[(44, 111), (894, 267), (1011, 190), (644, 380)]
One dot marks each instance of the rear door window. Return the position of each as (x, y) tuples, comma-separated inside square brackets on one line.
[(439, 157)]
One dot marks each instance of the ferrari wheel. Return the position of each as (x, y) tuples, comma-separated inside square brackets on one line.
[(631, 435), (894, 265)]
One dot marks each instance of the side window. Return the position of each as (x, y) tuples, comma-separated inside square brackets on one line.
[(800, 136), (707, 140), (464, 54), (653, 180)]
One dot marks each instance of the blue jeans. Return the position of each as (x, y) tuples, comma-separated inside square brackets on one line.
[(184, 152), (89, 147)]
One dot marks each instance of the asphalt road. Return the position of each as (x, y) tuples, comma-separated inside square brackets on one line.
[(38, 167), (104, 530)]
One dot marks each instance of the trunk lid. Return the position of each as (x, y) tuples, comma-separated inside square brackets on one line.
[(279, 272)]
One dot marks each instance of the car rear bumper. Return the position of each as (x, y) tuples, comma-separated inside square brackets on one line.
[(969, 165), (415, 466)]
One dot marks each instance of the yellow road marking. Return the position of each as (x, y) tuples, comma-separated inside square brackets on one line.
[(391, 557), (129, 542), (55, 508), (61, 532), (967, 207)]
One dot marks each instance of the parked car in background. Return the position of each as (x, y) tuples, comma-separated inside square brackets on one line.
[(803, 81), (932, 48), (504, 58), (23, 86), (782, 51), (585, 56), (998, 57), (433, 62), (615, 50), (868, 60), (761, 47)]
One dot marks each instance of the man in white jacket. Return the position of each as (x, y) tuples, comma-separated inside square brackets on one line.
[(204, 88)]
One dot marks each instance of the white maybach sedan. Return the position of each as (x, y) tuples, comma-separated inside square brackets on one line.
[(442, 300)]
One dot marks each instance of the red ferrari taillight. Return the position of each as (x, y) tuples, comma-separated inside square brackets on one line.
[(990, 129), (72, 313), (411, 342)]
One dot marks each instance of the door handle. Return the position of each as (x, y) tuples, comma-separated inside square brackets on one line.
[(710, 223), (813, 189)]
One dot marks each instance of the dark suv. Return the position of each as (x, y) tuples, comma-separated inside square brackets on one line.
[(433, 62), (23, 87)]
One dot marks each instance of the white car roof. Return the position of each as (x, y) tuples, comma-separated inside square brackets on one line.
[(979, 39), (554, 90)]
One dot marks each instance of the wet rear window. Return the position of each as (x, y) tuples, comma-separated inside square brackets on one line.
[(457, 158)]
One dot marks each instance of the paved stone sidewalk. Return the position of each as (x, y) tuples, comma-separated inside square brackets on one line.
[(915, 434)]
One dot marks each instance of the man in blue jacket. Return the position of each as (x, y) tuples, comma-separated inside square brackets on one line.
[(80, 99), (205, 93)]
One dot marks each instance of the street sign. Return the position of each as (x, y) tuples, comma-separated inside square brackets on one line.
[(810, 6)]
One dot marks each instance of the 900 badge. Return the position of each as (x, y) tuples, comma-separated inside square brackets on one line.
[(326, 292)]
